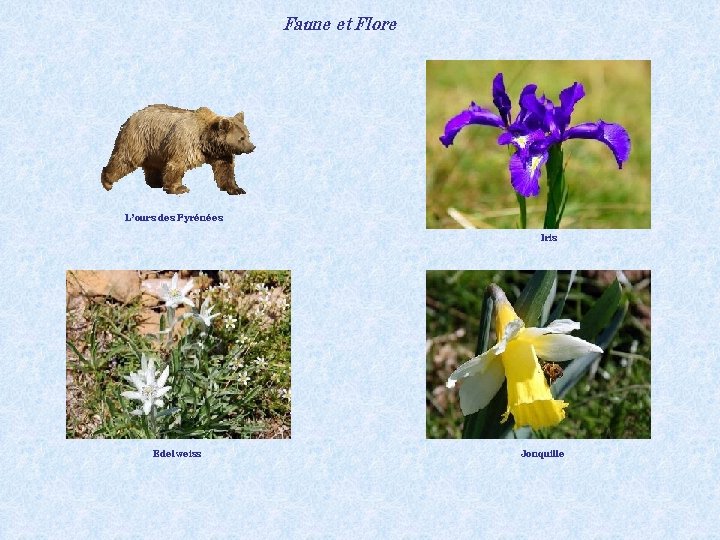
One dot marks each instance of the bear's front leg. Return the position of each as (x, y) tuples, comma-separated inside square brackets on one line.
[(224, 173), (172, 179)]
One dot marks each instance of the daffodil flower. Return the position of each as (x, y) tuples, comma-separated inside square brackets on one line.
[(515, 358), (148, 389), (173, 296)]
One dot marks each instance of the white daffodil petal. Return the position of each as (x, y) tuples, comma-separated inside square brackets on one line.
[(561, 348), (132, 395), (512, 330), (562, 326), (474, 366), (477, 391), (163, 376)]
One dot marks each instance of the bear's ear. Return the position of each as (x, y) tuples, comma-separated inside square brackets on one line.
[(240, 116), (223, 125)]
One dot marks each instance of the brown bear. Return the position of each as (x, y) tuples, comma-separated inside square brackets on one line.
[(168, 141)]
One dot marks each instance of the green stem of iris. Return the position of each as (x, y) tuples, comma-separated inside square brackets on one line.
[(557, 191), (523, 211), (557, 188)]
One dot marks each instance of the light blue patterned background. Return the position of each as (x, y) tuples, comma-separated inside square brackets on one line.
[(336, 194)]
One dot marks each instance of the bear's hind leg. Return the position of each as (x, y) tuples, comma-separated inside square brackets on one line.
[(172, 179), (153, 177), (114, 171), (224, 173)]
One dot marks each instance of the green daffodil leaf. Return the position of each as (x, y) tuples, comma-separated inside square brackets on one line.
[(600, 314), (560, 304), (577, 369), (531, 304), (474, 424)]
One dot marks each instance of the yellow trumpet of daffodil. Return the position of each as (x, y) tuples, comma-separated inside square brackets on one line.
[(515, 357)]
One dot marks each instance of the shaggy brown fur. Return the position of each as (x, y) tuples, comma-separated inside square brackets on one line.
[(167, 141)]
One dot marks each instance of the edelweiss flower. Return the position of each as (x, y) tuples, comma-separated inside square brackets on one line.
[(173, 296), (539, 125), (149, 390), (515, 358), (205, 313)]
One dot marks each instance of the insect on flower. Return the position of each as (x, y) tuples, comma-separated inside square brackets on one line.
[(552, 371)]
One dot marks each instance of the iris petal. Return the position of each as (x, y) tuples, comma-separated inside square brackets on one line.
[(530, 102), (505, 138), (525, 173), (473, 115), (534, 142), (501, 99), (614, 136), (568, 98), (525, 119)]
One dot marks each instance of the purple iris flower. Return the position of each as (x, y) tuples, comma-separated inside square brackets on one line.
[(539, 125)]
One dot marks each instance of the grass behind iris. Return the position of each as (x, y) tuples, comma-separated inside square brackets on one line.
[(472, 175), (614, 404), (206, 385)]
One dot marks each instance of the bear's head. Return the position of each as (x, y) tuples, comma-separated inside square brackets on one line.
[(232, 133)]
